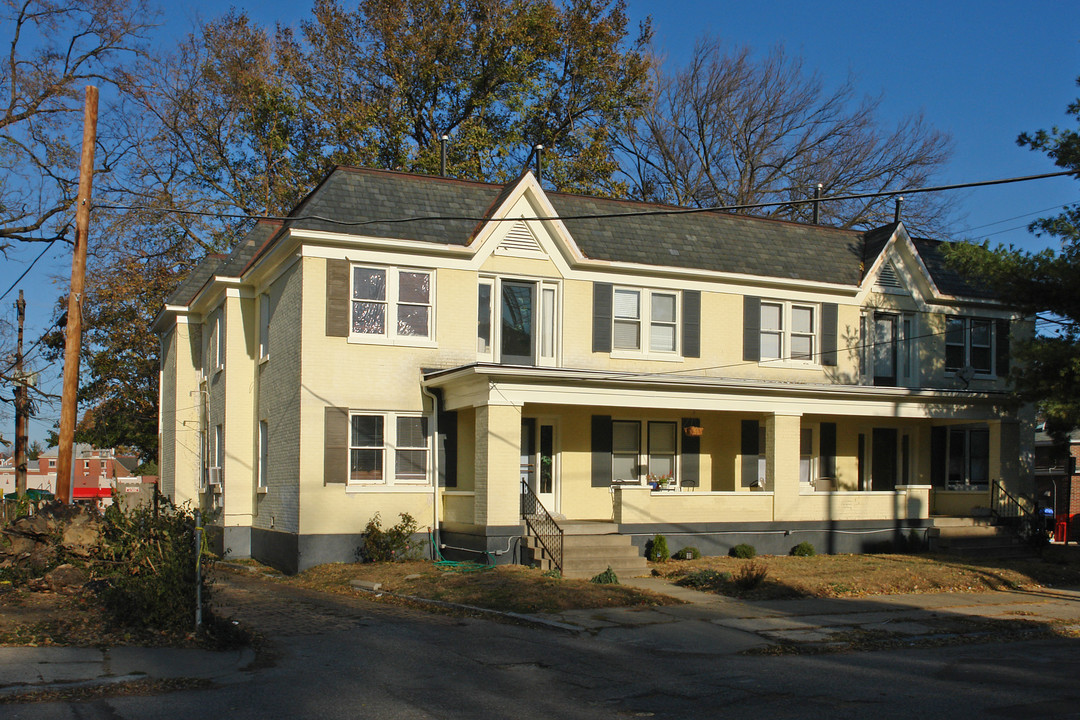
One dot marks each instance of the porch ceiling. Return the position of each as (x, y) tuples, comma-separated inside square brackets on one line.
[(487, 384)]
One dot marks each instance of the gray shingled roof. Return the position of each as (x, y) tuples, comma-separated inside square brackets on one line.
[(947, 280), (378, 203)]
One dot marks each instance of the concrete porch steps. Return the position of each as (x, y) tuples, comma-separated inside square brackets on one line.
[(976, 537), (589, 549)]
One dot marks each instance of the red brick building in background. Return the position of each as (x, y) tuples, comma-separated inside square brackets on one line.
[(1056, 479), (95, 472)]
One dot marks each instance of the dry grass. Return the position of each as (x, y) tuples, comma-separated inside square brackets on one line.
[(858, 575), (510, 588)]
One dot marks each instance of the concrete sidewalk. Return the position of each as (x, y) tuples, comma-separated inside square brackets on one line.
[(706, 624), (715, 624), (27, 669)]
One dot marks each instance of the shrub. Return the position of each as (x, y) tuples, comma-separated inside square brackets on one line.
[(803, 549), (688, 553), (146, 576), (553, 574), (751, 574), (704, 579), (608, 577), (395, 544), (743, 550), (658, 550)]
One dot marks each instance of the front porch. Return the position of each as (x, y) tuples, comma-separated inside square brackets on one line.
[(850, 469)]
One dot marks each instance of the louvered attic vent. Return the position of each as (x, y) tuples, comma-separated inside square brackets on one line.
[(520, 241), (887, 278)]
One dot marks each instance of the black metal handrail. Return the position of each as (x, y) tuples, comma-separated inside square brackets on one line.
[(541, 525), (1004, 505)]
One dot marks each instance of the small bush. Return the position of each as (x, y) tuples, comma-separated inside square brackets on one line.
[(688, 553), (744, 551), (145, 576), (658, 550), (553, 573), (608, 577), (750, 575), (803, 549), (704, 579), (393, 545)]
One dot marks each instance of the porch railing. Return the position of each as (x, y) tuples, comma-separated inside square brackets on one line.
[(541, 525), (1017, 511)]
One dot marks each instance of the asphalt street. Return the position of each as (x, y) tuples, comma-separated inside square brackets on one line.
[(332, 657)]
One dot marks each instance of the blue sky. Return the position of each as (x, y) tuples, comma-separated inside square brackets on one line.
[(981, 71)]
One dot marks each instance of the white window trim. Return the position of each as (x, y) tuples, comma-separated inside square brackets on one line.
[(785, 360), (390, 336), (644, 352), (389, 448), (493, 354), (907, 343), (264, 327), (262, 480), (983, 374), (215, 343), (643, 451)]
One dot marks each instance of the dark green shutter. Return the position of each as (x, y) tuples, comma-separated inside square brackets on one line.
[(446, 447), (828, 449), (602, 298), (601, 450), (691, 331), (752, 329), (691, 454), (1002, 333), (750, 451), (939, 437), (336, 445), (337, 298), (829, 322)]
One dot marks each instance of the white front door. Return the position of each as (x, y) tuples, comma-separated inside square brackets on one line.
[(538, 461)]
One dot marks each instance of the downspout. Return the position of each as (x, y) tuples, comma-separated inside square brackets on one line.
[(434, 469)]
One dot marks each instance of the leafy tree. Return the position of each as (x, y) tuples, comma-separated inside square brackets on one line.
[(33, 452), (241, 120), (732, 129), (1043, 284), (54, 49)]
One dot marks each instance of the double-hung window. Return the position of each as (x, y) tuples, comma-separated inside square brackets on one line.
[(389, 449), (215, 342), (264, 326), (661, 448), (969, 342), (264, 454), (969, 458), (644, 321), (789, 331), (392, 304)]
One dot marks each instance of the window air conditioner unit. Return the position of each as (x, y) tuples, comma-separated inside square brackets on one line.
[(215, 477)]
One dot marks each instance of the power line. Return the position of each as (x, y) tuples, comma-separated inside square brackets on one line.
[(596, 216), (29, 268)]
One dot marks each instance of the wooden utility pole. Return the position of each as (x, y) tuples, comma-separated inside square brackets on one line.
[(22, 402), (73, 335)]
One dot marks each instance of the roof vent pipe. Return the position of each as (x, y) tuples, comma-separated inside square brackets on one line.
[(899, 205), (817, 204), (539, 163), (442, 154)]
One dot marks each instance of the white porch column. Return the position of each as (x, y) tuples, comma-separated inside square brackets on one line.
[(1005, 456), (782, 436), (498, 465)]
